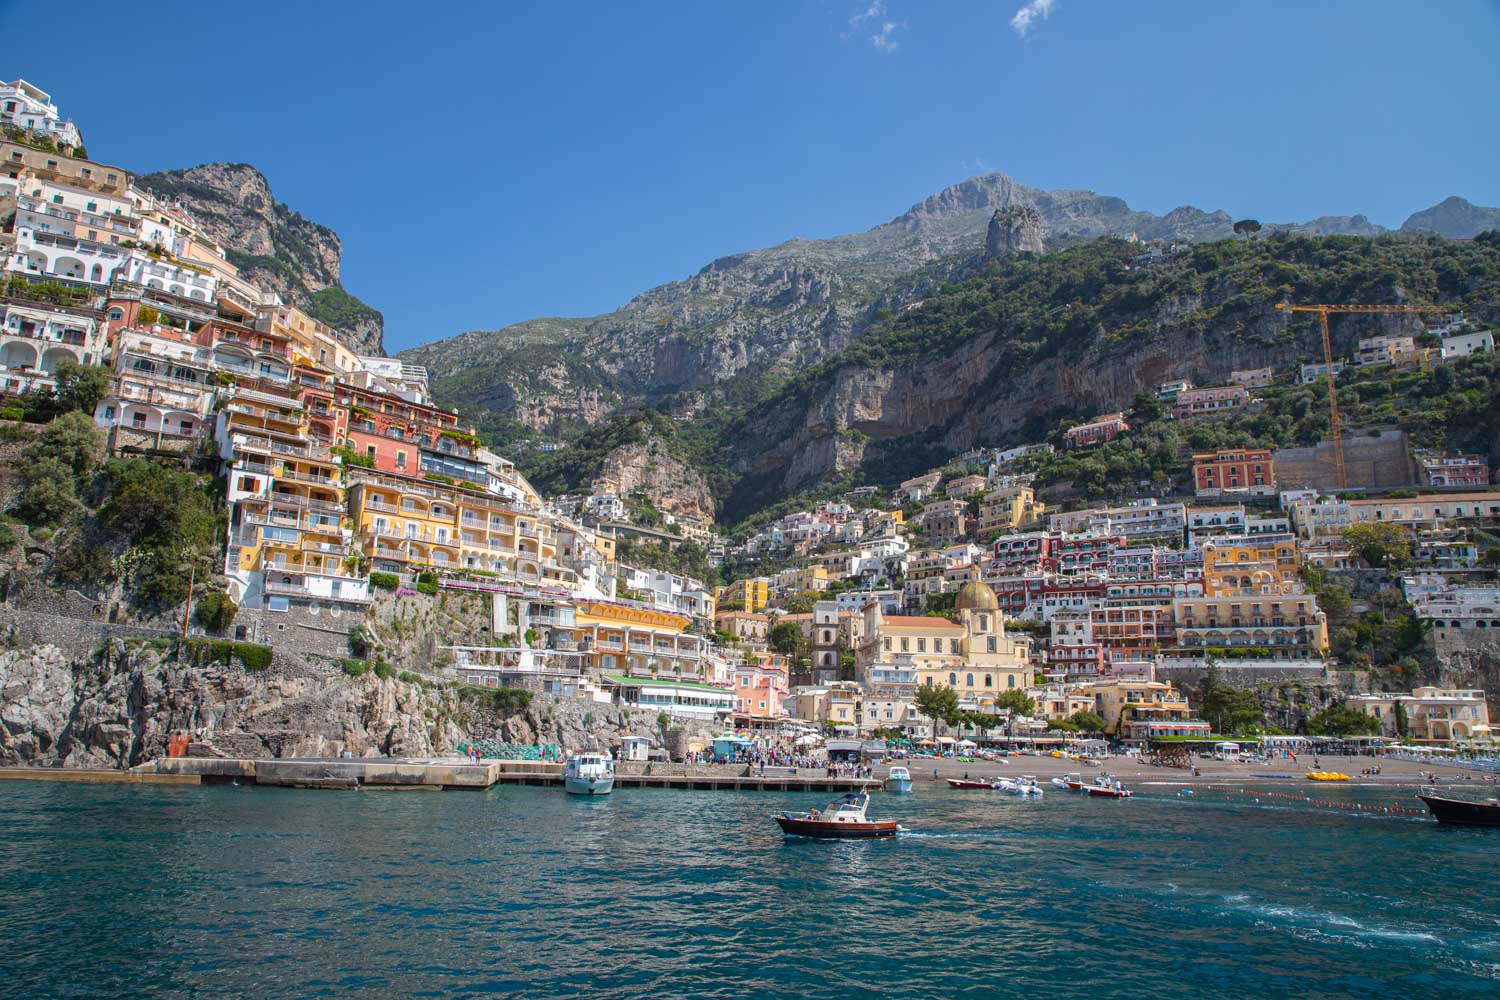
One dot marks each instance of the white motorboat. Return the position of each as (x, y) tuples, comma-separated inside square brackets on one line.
[(589, 774), (899, 781), (1025, 786), (1073, 782)]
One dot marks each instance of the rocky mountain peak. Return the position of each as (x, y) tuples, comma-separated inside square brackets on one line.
[(1453, 217), (273, 246)]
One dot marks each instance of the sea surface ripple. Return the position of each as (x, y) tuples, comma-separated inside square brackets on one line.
[(113, 891)]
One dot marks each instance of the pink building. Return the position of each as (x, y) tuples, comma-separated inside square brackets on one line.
[(1106, 428)]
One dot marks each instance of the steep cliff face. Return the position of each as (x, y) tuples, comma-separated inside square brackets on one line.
[(1073, 334), (274, 246), (669, 484), (118, 708), (781, 308)]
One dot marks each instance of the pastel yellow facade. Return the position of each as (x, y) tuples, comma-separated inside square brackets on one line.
[(754, 594), (1251, 567), (403, 522), (639, 640), (1009, 509)]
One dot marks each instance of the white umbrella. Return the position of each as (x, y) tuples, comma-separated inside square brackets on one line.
[(807, 740), (967, 743)]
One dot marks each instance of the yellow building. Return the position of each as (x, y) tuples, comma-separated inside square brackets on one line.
[(287, 540), (974, 655), (639, 640), (1137, 710), (1286, 627), (1010, 509), (1251, 566), (754, 594), (406, 523), (794, 581)]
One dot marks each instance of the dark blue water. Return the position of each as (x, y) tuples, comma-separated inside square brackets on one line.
[(109, 891)]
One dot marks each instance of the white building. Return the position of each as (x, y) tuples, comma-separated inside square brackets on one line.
[(1311, 373), (1461, 345), (26, 106), (37, 337)]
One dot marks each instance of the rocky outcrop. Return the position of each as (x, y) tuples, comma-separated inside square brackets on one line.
[(274, 247), (118, 707), (1017, 229), (1454, 218), (670, 485)]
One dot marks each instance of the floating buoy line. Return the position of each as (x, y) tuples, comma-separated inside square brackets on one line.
[(1307, 800)]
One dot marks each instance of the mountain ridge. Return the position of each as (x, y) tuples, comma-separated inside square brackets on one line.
[(781, 308), (274, 246)]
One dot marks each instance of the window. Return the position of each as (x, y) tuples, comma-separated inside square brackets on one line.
[(370, 451), (400, 459), (969, 680), (921, 645), (905, 644), (1010, 680), (953, 680)]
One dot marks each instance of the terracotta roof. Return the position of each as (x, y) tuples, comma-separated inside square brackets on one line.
[(919, 621)]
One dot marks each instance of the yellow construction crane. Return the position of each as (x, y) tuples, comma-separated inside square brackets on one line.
[(1323, 310)]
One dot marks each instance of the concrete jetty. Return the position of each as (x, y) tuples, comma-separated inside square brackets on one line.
[(461, 774), (95, 776)]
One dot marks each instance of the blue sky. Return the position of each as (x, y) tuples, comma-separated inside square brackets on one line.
[(556, 159)]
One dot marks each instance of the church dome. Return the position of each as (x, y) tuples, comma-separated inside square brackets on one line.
[(976, 596)]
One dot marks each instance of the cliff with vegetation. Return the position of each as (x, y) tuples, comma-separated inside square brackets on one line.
[(274, 246)]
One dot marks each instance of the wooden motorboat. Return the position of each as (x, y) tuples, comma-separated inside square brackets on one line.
[(1462, 812), (843, 819), (1107, 787), (973, 784)]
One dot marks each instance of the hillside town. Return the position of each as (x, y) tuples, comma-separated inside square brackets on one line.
[(343, 480)]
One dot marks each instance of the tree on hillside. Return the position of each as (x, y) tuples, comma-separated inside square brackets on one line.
[(1246, 228), (1146, 407), (1382, 545), (73, 439), (1336, 720), (785, 638), (799, 603), (81, 387)]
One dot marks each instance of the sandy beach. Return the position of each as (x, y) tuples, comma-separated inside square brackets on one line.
[(1393, 772)]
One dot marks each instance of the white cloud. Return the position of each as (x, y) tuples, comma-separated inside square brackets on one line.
[(873, 14), (1030, 13), (882, 39)]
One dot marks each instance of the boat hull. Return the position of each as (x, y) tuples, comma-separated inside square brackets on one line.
[(1458, 812), (836, 831), (589, 786), (899, 786), (984, 786), (1109, 793)]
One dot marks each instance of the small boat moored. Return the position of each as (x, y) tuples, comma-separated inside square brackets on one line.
[(898, 780), (974, 784), (1461, 812), (1073, 782), (1024, 786), (589, 774), (843, 819), (1326, 776)]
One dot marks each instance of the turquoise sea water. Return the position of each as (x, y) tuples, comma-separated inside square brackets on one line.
[(114, 891)]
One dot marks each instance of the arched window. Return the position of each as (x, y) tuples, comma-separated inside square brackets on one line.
[(953, 680), (989, 680), (969, 681)]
